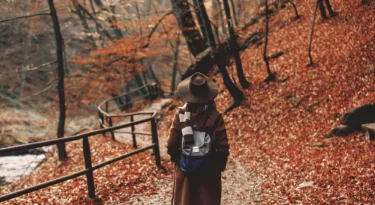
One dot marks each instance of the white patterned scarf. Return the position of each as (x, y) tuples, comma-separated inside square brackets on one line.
[(185, 121), (185, 118)]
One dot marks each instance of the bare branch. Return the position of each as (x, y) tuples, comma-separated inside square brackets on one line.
[(25, 16), (165, 29), (216, 30), (92, 17), (42, 91), (155, 27), (115, 60), (10, 100), (39, 67)]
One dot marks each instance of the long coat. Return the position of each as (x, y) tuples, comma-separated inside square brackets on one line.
[(200, 189)]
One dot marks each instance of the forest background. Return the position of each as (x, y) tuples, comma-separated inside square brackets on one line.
[(290, 104)]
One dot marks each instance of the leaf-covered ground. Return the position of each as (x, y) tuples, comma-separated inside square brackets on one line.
[(279, 130), (114, 184), (277, 134)]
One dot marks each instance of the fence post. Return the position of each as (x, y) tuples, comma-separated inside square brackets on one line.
[(88, 165), (110, 125), (149, 90), (128, 98), (144, 77), (101, 118), (133, 129), (154, 131)]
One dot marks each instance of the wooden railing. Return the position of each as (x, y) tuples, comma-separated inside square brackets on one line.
[(104, 116), (107, 116)]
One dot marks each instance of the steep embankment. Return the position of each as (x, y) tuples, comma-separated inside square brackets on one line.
[(279, 130)]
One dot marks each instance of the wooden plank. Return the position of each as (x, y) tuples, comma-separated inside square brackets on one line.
[(135, 132)]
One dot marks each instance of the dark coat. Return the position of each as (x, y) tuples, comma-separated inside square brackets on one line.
[(200, 189)]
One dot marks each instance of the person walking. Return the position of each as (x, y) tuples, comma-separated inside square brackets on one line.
[(198, 144)]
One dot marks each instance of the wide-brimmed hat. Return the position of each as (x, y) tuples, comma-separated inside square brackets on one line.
[(197, 88)]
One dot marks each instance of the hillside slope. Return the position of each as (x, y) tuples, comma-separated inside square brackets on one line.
[(279, 130)]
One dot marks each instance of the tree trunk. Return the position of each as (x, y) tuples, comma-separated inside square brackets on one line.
[(112, 21), (82, 17), (236, 93), (139, 82), (235, 17), (188, 27), (139, 18), (323, 12), (175, 65), (312, 33), (240, 8), (60, 86), (330, 10), (92, 7), (127, 98), (99, 27), (220, 60), (295, 9), (234, 47), (271, 76), (204, 22), (150, 68), (219, 17)]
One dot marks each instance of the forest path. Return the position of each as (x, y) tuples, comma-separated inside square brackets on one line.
[(240, 185)]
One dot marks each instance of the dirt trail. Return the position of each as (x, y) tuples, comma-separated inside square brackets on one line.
[(240, 185)]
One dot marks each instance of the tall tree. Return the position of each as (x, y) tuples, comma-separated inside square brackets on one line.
[(218, 14), (323, 10), (81, 10), (312, 34), (187, 25), (271, 76), (220, 60), (330, 10), (175, 64), (61, 74), (235, 16), (82, 17), (234, 47), (111, 20), (204, 22)]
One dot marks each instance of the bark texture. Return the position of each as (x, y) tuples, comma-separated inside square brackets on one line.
[(61, 74), (187, 25)]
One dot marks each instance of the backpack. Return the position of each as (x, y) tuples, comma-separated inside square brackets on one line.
[(195, 155)]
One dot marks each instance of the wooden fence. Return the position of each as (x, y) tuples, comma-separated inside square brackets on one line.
[(104, 116)]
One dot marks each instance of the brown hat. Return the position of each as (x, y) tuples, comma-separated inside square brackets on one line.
[(197, 88)]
